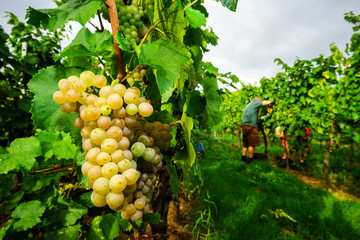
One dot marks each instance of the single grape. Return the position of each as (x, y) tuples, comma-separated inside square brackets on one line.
[(119, 89), (138, 214), (78, 85), (128, 155), (131, 109), (131, 176), (115, 133), (130, 209), (87, 145), (124, 165), (103, 158), (124, 143), (99, 81), (114, 200), (109, 170), (72, 95), (138, 149), (90, 100), (92, 112), (131, 97), (101, 186), (59, 97), (106, 91), (98, 135), (91, 155), (85, 168), (117, 183), (115, 101), (145, 109), (104, 122), (109, 145), (85, 132), (117, 156), (105, 109), (64, 85), (87, 77), (149, 154), (97, 199), (125, 216), (94, 173), (120, 112)]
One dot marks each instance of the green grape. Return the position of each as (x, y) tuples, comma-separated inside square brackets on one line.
[(138, 149), (105, 109), (131, 109)]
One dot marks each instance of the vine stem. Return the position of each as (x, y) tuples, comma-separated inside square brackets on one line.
[(174, 123), (135, 226), (114, 21)]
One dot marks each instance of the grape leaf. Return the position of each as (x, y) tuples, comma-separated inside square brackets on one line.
[(213, 102), (166, 65), (195, 18), (67, 213), (56, 144), (21, 156), (174, 179), (124, 224), (88, 44), (95, 231), (110, 226), (65, 233), (55, 18), (29, 214), (46, 113), (187, 125), (152, 218), (230, 4), (196, 103), (169, 20)]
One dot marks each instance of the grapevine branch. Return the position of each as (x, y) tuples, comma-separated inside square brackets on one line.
[(135, 226), (114, 21)]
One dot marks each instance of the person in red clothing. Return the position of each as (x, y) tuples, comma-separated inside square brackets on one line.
[(302, 147)]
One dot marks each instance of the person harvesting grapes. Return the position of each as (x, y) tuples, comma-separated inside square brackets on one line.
[(251, 137)]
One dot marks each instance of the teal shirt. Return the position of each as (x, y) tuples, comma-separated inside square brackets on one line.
[(250, 115)]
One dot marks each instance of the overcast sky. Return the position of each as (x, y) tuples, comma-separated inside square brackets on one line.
[(258, 32)]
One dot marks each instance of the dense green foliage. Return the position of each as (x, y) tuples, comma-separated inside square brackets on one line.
[(17, 70)]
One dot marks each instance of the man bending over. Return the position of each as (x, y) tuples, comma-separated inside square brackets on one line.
[(251, 137)]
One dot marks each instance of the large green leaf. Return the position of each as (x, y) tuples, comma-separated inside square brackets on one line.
[(169, 20), (110, 226), (67, 213), (89, 44), (195, 18), (166, 58), (29, 214), (21, 156), (46, 113), (56, 144), (195, 103), (55, 18)]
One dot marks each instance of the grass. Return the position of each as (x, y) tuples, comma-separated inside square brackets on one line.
[(258, 201)]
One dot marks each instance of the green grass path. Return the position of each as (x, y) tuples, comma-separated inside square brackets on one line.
[(258, 201)]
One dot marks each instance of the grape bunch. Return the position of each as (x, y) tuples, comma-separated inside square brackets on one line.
[(131, 23), (137, 76), (123, 151)]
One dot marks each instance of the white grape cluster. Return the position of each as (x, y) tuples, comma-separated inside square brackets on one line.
[(122, 150), (137, 76)]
